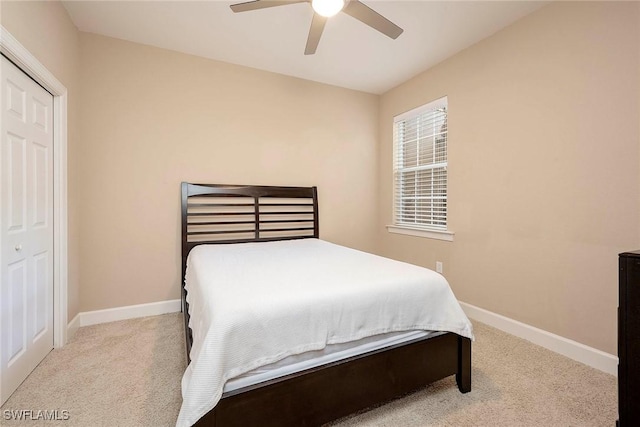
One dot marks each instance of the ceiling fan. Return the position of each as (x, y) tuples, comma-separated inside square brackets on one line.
[(324, 9)]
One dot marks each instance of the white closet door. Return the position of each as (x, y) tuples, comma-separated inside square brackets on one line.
[(26, 222)]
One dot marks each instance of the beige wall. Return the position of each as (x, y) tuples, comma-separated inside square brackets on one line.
[(152, 118), (544, 159), (46, 30), (543, 167)]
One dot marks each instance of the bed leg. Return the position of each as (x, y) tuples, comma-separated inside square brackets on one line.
[(463, 376)]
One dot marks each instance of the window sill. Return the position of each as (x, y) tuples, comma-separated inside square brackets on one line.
[(421, 232)]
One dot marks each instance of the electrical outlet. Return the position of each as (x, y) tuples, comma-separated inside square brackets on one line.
[(439, 267)]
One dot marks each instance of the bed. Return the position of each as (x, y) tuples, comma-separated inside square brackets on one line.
[(246, 235)]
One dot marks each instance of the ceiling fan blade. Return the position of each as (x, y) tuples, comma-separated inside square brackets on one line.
[(317, 26), (261, 4), (365, 14)]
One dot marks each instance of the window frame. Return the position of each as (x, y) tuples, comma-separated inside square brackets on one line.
[(427, 231)]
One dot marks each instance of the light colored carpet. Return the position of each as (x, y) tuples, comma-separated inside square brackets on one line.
[(116, 374), (128, 374)]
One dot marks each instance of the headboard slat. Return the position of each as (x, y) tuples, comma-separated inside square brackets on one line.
[(190, 214)]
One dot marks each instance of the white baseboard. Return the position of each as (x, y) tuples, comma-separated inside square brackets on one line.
[(574, 350), (72, 327), (590, 356), (88, 318)]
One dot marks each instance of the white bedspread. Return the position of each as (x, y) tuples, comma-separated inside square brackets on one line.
[(252, 304)]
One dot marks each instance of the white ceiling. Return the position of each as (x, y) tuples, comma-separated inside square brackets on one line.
[(350, 54)]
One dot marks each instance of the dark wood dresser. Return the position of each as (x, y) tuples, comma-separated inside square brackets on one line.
[(629, 340)]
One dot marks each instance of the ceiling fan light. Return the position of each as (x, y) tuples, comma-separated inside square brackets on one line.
[(327, 8)]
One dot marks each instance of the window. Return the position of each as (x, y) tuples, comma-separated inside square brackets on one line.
[(420, 170)]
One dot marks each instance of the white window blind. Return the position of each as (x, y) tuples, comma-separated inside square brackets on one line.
[(420, 167)]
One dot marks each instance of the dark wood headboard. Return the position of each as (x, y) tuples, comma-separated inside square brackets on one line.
[(222, 214)]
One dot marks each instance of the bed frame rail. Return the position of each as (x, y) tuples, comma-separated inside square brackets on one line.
[(329, 392)]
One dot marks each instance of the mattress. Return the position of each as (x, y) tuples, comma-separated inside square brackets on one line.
[(255, 304), (331, 353)]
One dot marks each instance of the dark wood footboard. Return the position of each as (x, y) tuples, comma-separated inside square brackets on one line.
[(317, 396)]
